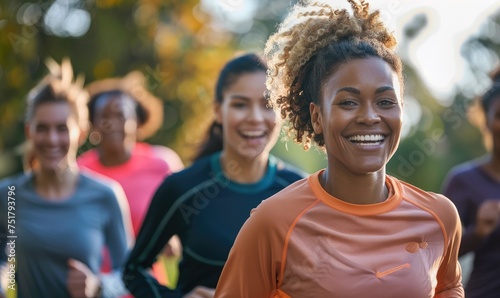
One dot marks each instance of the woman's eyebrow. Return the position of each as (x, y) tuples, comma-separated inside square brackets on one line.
[(356, 91)]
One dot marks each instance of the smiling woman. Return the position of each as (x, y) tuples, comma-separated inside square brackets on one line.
[(64, 218), (474, 187), (207, 203), (349, 230), (360, 117)]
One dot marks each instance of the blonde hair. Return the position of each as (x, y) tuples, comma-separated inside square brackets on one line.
[(310, 45), (58, 86)]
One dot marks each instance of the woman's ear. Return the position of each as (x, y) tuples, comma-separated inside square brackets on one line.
[(218, 113), (316, 118)]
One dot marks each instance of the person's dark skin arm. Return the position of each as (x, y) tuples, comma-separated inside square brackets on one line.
[(477, 224), (487, 220)]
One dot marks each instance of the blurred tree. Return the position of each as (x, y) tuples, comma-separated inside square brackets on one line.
[(180, 47), (443, 136), (171, 42)]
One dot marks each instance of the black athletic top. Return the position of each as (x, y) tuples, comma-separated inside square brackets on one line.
[(206, 210)]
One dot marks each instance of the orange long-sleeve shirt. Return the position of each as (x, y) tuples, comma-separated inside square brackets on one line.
[(303, 242)]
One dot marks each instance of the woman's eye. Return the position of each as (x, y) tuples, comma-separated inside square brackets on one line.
[(387, 102), (41, 128), (62, 128), (239, 105), (347, 102)]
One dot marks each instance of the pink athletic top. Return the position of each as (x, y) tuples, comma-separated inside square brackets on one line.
[(139, 176), (303, 242)]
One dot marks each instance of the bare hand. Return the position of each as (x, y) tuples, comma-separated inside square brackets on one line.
[(200, 292), (487, 218), (82, 283), (173, 247)]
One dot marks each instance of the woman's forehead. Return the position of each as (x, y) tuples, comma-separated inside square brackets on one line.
[(116, 102), (362, 73), (57, 111)]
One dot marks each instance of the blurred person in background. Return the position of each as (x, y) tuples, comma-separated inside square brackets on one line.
[(474, 187), (122, 113), (349, 230), (207, 203), (62, 218)]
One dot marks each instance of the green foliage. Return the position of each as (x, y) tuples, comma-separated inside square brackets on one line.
[(180, 48)]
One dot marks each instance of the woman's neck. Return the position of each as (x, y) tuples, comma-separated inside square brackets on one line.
[(56, 185), (115, 157), (243, 170), (355, 189)]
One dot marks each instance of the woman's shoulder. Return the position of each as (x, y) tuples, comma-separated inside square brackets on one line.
[(88, 158), (291, 200), (199, 170), (160, 154), (13, 185), (99, 187), (429, 201), (91, 181), (466, 169), (14, 180)]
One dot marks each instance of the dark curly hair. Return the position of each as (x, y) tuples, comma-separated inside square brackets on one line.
[(310, 45)]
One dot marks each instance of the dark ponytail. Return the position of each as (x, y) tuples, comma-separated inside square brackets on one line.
[(493, 93), (478, 111), (248, 63)]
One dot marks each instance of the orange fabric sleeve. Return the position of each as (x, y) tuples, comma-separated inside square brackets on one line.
[(449, 275)]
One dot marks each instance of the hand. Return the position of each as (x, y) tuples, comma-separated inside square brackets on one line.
[(487, 218), (200, 292), (173, 247), (82, 283)]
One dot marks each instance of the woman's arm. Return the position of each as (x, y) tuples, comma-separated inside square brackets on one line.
[(449, 275), (162, 221), (118, 236), (456, 191)]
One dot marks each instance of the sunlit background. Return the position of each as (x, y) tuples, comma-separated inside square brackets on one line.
[(448, 49)]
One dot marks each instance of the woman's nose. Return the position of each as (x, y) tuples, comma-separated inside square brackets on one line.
[(368, 115)]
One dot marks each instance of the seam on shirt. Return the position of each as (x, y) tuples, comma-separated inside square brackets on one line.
[(287, 239), (202, 259), (441, 224), (168, 215), (392, 270)]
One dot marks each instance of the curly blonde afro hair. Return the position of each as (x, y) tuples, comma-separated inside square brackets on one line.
[(312, 42)]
